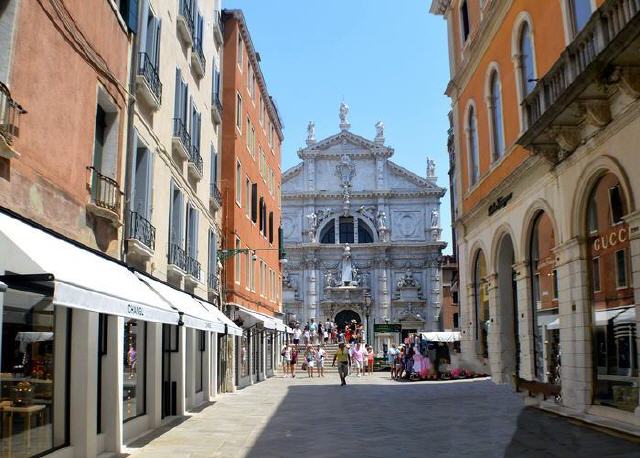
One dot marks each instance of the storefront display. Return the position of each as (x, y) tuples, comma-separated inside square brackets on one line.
[(134, 370)]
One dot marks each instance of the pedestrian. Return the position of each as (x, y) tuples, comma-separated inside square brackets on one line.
[(399, 363), (309, 358), (347, 334), (306, 335), (357, 355), (391, 359), (320, 333), (286, 359), (294, 360), (320, 353), (334, 335), (297, 333), (370, 357), (313, 331), (343, 358)]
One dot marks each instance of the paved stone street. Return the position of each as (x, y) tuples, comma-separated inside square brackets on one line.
[(374, 417)]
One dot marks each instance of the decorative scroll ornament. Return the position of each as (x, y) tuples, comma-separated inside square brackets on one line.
[(407, 280), (345, 170)]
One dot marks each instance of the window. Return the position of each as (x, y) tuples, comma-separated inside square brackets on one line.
[(142, 183), (176, 216), (481, 305), (261, 208), (261, 111), (592, 216), (134, 370), (346, 229), (555, 284), (253, 273), (105, 147), (217, 89), (465, 26), (595, 272), (254, 202), (474, 163), (201, 345), (621, 269), (36, 347), (328, 234), (527, 71), (247, 197), (240, 52), (455, 321), (214, 166), (236, 262), (212, 265), (239, 113), (581, 12), (192, 232), (180, 105), (239, 183), (495, 110), (364, 233), (270, 227), (617, 207), (248, 270), (251, 82)]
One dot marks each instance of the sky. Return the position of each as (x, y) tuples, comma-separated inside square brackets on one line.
[(387, 60)]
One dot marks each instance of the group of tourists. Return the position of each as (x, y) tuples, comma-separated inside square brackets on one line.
[(415, 359), (329, 332)]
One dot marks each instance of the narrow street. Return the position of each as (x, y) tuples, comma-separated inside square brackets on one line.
[(375, 417)]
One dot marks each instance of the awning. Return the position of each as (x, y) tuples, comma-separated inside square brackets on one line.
[(280, 326), (603, 317), (82, 279), (194, 313), (251, 318), (452, 336), (627, 316), (232, 328), (546, 319)]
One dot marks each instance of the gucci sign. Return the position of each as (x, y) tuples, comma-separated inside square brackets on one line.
[(611, 239)]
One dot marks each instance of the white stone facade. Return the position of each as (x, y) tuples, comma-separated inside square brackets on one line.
[(346, 189)]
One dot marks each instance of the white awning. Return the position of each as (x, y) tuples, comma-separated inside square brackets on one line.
[(232, 328), (251, 318), (603, 316), (627, 316), (555, 324), (82, 279), (452, 336), (194, 313)]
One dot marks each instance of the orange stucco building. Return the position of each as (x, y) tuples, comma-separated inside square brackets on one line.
[(251, 139)]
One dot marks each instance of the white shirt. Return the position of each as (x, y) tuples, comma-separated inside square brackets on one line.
[(320, 354), (297, 333)]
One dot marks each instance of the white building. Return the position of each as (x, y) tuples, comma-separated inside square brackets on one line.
[(362, 236)]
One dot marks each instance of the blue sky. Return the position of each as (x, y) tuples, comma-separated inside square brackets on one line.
[(386, 59)]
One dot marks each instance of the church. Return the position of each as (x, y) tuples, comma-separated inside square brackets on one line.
[(362, 236)]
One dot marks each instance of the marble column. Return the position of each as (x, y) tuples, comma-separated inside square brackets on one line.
[(384, 297), (574, 305), (525, 321), (633, 220), (311, 302)]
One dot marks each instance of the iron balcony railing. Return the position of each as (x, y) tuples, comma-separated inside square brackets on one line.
[(185, 12), (197, 48), (180, 131), (148, 70), (603, 27), (105, 191), (216, 194), (142, 230), (195, 158), (217, 102), (10, 112), (177, 256), (192, 267), (212, 281)]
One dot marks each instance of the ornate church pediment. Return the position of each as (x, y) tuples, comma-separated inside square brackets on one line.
[(405, 179), (344, 139)]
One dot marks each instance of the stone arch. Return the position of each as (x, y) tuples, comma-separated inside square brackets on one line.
[(504, 229), (477, 247), (589, 177), (361, 220), (539, 205)]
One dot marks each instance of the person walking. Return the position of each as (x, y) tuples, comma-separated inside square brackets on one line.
[(313, 331), (391, 359), (320, 353), (297, 333), (309, 358), (357, 355), (344, 359), (286, 359), (294, 361), (370, 357)]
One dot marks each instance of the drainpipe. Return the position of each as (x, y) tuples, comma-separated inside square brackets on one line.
[(130, 153)]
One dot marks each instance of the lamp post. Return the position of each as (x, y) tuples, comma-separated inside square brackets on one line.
[(367, 311)]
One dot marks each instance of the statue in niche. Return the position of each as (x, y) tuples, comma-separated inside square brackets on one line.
[(313, 226), (431, 168), (382, 220), (435, 218), (347, 268)]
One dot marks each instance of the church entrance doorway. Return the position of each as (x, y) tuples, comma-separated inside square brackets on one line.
[(345, 317)]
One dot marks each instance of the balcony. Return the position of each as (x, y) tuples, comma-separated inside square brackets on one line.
[(212, 283), (575, 98), (141, 236), (218, 28), (148, 85), (185, 23), (181, 141), (216, 108), (10, 112), (177, 260), (215, 198), (105, 197), (198, 62), (195, 163), (193, 270)]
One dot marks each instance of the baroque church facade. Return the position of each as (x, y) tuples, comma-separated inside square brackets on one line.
[(362, 236)]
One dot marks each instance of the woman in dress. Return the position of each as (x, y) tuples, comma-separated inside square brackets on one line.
[(294, 360)]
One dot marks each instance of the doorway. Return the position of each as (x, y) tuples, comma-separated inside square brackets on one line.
[(508, 310), (345, 317), (169, 385)]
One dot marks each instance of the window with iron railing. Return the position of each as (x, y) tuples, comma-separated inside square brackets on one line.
[(105, 191), (142, 230), (10, 112), (149, 71)]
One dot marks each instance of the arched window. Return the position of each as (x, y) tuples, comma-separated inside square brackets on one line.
[(580, 13), (481, 305), (611, 289), (364, 233), (495, 109), (328, 234), (527, 71), (472, 133)]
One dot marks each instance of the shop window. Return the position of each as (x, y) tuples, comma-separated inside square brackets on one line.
[(103, 330), (243, 354), (134, 370), (595, 272), (481, 303), (617, 207), (36, 344), (621, 269), (328, 234), (592, 216), (201, 342), (346, 230)]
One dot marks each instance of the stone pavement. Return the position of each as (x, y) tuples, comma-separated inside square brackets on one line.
[(375, 417)]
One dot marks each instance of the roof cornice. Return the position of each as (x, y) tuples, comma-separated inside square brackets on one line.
[(319, 149), (337, 195)]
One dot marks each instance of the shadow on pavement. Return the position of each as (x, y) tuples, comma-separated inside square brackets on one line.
[(156, 433), (477, 419)]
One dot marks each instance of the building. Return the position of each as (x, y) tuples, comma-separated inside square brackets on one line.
[(547, 224), (450, 315), (107, 315), (251, 139), (362, 236)]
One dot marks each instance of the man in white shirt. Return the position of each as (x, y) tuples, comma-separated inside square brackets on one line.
[(296, 335)]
